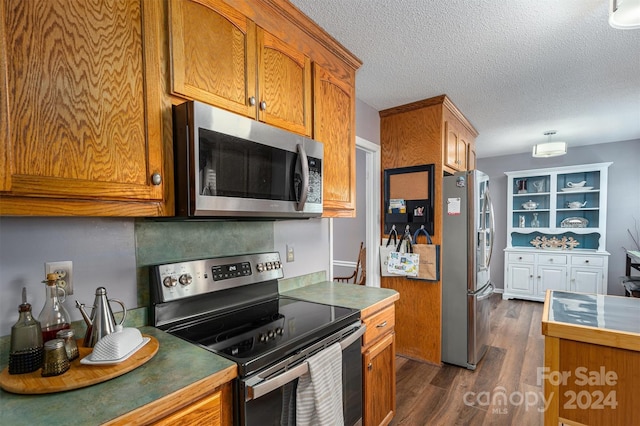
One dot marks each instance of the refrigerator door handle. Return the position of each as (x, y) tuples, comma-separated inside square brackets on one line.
[(488, 292), (491, 224)]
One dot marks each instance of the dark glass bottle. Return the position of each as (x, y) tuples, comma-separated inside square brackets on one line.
[(53, 317), (25, 354)]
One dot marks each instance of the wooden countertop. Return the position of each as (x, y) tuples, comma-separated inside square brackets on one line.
[(599, 319)]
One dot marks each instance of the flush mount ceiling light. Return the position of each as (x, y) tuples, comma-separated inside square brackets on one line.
[(549, 149), (624, 14)]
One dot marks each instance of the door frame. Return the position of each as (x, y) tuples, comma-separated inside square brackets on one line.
[(372, 213)]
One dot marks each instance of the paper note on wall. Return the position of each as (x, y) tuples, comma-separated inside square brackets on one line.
[(453, 206)]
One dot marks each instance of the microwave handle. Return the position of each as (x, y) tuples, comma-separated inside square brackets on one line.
[(304, 168)]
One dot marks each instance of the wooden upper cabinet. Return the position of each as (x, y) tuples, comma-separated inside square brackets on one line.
[(334, 104), (221, 57), (80, 112), (455, 147), (459, 139), (450, 145), (284, 84), (471, 156), (213, 55)]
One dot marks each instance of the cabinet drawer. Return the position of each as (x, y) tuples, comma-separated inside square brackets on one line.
[(379, 324), (551, 259), (521, 257), (587, 260)]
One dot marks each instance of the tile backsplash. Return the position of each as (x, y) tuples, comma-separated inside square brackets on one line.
[(175, 241)]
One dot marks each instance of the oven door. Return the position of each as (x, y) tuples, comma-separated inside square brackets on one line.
[(268, 397)]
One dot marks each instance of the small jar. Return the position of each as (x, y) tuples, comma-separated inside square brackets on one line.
[(55, 358), (70, 344)]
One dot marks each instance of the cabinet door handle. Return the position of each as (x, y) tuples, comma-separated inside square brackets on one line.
[(370, 367), (383, 324), (520, 258), (530, 276), (252, 101), (538, 276), (586, 261), (263, 105)]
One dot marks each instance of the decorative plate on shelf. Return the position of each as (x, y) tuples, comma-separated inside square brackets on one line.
[(574, 222), (579, 188)]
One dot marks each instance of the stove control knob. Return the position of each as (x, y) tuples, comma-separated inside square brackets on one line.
[(263, 338), (260, 267), (169, 281), (185, 279), (279, 331), (271, 334)]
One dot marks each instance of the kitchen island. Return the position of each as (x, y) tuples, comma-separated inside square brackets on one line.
[(592, 359)]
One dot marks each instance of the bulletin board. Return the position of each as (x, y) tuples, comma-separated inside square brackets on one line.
[(415, 187)]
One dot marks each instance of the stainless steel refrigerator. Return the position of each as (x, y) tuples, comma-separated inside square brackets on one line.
[(467, 244)]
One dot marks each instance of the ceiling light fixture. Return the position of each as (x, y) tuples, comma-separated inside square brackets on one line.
[(624, 14), (549, 149)]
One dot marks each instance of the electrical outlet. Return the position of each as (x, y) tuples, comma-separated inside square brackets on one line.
[(290, 254), (64, 270)]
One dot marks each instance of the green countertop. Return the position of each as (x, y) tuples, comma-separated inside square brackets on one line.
[(176, 365), (346, 295)]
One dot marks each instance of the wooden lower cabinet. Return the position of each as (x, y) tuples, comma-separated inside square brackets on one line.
[(379, 367), (206, 411), (206, 402)]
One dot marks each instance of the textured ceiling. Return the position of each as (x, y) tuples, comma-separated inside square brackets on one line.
[(515, 68)]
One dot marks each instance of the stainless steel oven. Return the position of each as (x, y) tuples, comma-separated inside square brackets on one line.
[(270, 394), (227, 165), (231, 306)]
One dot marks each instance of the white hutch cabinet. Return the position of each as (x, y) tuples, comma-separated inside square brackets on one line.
[(556, 231)]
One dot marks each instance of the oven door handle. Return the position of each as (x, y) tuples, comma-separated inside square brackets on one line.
[(263, 388), (344, 344)]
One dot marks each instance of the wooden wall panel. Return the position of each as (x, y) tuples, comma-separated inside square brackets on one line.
[(412, 137)]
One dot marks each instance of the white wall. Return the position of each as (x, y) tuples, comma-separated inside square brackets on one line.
[(102, 251), (623, 201), (310, 239)]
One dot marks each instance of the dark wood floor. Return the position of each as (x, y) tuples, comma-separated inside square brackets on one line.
[(503, 390)]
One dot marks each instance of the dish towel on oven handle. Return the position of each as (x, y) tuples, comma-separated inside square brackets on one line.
[(319, 393)]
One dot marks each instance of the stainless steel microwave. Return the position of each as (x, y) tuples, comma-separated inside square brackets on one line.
[(230, 166)]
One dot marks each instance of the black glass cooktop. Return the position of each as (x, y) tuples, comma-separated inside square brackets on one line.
[(266, 332)]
